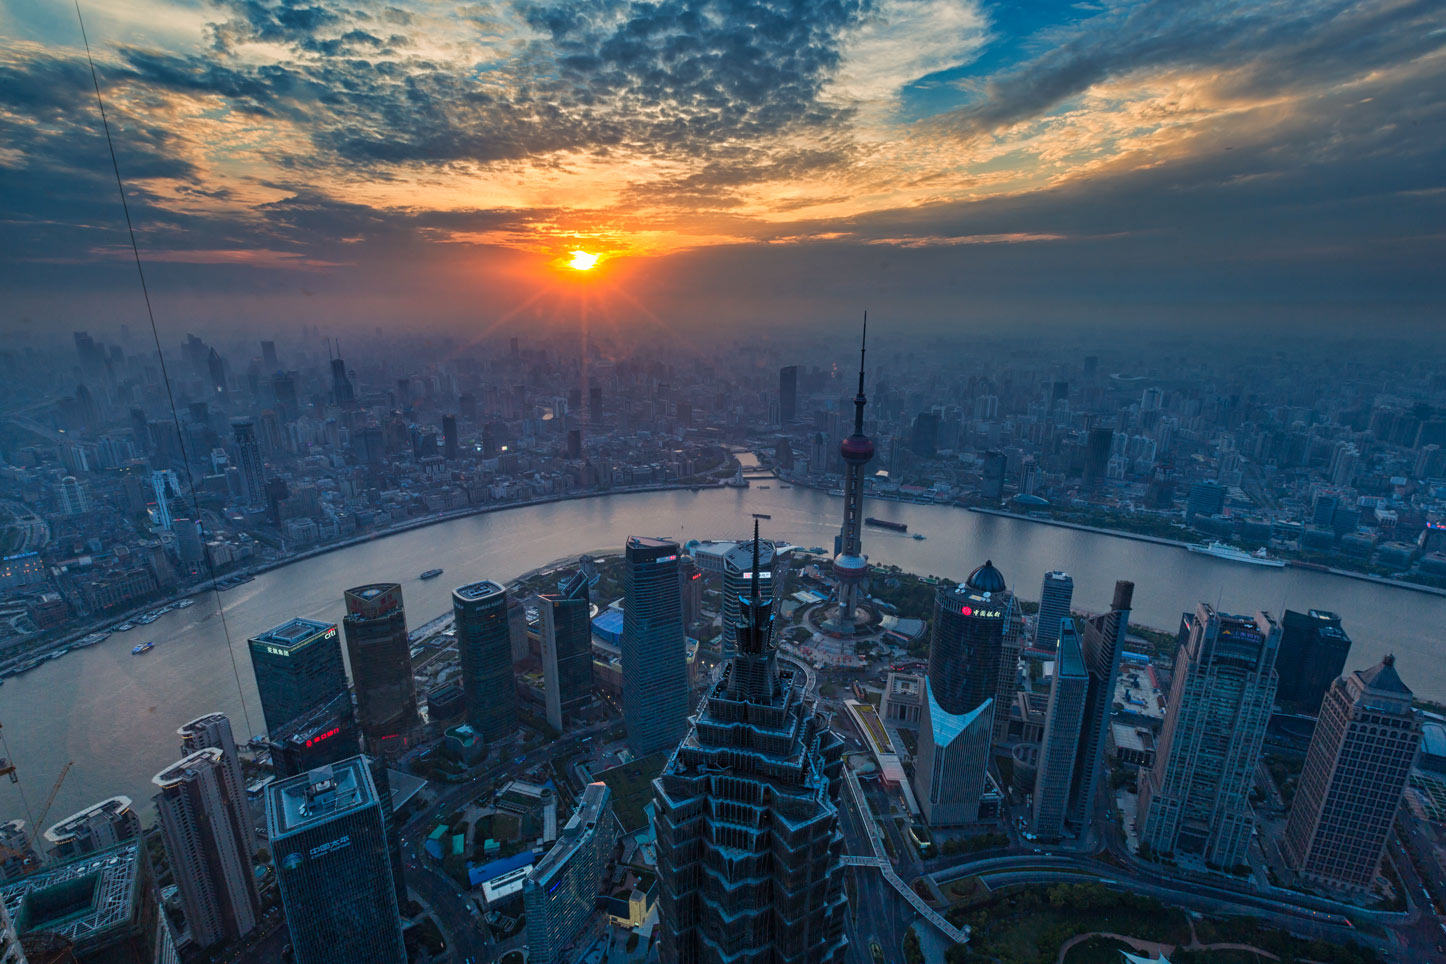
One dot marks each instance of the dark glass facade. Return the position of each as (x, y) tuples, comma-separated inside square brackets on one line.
[(484, 649), (381, 664), (967, 645), (329, 838), (1102, 638), (298, 667), (1313, 651), (567, 650), (655, 661)]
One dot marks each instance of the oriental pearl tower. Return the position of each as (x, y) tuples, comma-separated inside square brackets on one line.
[(851, 566)]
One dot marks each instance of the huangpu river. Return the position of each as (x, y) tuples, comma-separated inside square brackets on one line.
[(115, 715)]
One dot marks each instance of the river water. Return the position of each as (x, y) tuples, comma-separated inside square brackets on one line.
[(115, 715)]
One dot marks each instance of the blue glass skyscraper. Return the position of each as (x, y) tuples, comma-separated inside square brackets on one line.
[(298, 667), (484, 649), (655, 661), (328, 835)]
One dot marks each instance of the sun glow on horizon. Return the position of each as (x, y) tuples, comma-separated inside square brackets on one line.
[(582, 260)]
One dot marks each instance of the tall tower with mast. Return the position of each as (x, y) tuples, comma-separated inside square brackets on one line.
[(850, 565)]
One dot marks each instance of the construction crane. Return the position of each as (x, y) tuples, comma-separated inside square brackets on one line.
[(26, 854), (54, 789), (8, 769)]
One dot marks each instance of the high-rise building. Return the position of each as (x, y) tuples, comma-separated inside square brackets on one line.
[(654, 650), (850, 565), (72, 497), (248, 457), (737, 580), (561, 890), (992, 469), (17, 853), (1195, 801), (189, 547), (328, 734), (788, 394), (748, 839), (1313, 651), (924, 435), (566, 649), (329, 837), (206, 842), (1102, 642), (321, 735), (1350, 788), (1062, 723), (956, 725), (1206, 498), (1097, 453), (451, 448), (690, 583), (298, 667), (161, 484), (95, 828), (214, 730), (1055, 597), (379, 652), (341, 390), (484, 649), (99, 908)]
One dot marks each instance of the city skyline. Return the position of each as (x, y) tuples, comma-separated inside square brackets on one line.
[(749, 775), (938, 155)]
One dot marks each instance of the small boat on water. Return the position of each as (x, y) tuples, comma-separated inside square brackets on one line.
[(145, 647), (1221, 550), (185, 603), (764, 486), (147, 618), (431, 574), (886, 524), (785, 486), (919, 535), (123, 628), (762, 515)]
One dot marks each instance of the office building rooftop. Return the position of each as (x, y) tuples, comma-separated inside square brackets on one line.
[(477, 590), (320, 794), (293, 632)]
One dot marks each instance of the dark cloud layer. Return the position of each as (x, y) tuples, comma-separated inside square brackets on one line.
[(1313, 174)]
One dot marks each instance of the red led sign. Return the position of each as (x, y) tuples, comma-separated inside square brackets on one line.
[(324, 736)]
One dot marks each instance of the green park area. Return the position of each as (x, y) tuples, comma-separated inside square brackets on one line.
[(1029, 925), (1032, 924), (632, 787)]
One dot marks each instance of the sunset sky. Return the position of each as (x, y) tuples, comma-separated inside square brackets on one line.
[(943, 162)]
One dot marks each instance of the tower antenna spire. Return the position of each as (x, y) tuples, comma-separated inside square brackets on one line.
[(755, 568), (859, 400)]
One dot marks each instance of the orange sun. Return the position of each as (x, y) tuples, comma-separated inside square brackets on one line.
[(582, 261)]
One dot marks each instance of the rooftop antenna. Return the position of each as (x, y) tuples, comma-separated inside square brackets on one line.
[(859, 400), (755, 564)]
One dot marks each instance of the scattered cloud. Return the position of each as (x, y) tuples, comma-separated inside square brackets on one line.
[(308, 136)]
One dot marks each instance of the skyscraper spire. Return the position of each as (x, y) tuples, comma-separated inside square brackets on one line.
[(859, 400), (755, 580)]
